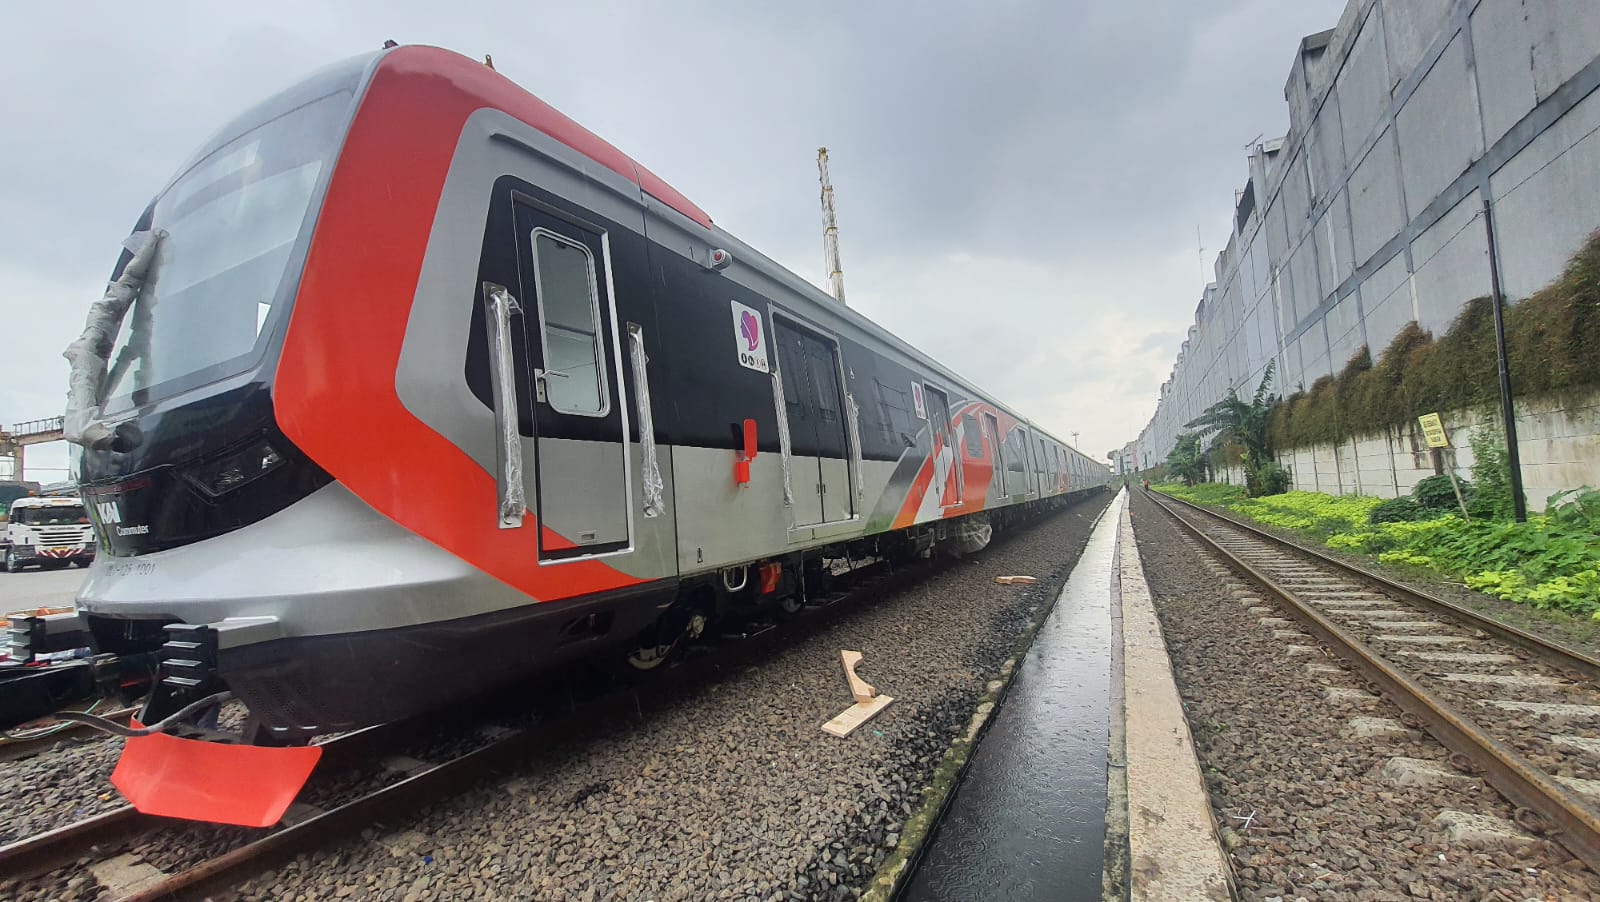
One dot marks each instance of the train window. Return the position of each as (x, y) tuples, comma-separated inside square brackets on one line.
[(1017, 451), (991, 428), (569, 321), (972, 435)]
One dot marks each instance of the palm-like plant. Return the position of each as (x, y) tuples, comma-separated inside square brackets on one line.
[(1186, 461), (1233, 420)]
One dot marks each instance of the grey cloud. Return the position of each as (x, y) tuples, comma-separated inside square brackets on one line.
[(1086, 139)]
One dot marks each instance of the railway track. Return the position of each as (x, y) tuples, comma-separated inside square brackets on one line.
[(1523, 712), (412, 783), (25, 743)]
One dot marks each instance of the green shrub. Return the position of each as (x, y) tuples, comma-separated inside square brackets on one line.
[(1273, 478), (1575, 508), (1437, 492), (1397, 510), (1491, 470)]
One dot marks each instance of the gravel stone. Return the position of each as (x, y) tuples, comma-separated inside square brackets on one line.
[(734, 791), (1313, 815)]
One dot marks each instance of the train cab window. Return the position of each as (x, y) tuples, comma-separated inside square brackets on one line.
[(569, 324), (972, 436)]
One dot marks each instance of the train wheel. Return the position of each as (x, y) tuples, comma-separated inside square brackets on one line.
[(652, 652), (649, 657)]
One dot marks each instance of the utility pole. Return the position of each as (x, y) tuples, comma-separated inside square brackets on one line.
[(1074, 439), (830, 231), (1508, 412)]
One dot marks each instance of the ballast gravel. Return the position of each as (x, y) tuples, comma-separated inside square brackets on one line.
[(1304, 803), (56, 787), (733, 791)]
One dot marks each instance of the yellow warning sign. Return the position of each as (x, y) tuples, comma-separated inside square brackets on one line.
[(1433, 430)]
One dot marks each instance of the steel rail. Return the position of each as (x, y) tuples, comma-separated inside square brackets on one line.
[(1574, 824), (1554, 652), (17, 748), (45, 852)]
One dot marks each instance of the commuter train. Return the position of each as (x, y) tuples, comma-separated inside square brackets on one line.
[(419, 386)]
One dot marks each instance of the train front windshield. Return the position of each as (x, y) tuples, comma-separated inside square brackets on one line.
[(235, 223)]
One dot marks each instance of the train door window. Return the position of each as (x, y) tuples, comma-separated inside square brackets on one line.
[(946, 462), (1016, 458), (569, 325), (972, 437), (991, 427), (1040, 468)]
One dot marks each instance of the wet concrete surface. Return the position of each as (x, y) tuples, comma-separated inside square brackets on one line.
[(1028, 820), (40, 588)]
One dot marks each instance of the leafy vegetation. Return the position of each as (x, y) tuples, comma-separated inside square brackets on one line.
[(1553, 349), (1243, 427), (1551, 561), (1205, 493), (1399, 510), (1491, 469), (1438, 493), (1187, 462)]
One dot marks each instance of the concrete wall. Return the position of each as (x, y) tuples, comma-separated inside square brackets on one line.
[(1368, 215), (1559, 444)]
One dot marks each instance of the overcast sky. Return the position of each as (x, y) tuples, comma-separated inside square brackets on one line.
[(1018, 184)]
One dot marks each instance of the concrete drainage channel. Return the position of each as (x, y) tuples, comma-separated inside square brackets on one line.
[(1039, 808), (1323, 786), (903, 874)]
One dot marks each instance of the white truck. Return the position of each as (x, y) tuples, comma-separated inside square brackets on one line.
[(52, 532)]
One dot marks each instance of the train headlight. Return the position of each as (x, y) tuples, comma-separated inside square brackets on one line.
[(227, 473)]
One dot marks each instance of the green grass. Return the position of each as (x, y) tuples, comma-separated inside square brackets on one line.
[(1549, 562)]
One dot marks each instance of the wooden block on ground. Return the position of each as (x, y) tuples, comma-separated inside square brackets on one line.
[(856, 715), (860, 689), (1016, 580)]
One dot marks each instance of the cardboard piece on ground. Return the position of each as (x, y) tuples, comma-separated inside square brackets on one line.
[(1016, 580), (861, 689), (856, 715)]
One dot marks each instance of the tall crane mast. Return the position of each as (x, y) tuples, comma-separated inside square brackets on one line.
[(830, 230)]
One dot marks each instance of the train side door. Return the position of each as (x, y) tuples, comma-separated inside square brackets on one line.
[(580, 415), (814, 402)]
